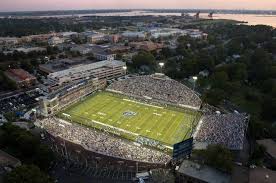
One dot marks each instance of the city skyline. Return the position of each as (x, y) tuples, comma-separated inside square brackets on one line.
[(31, 5)]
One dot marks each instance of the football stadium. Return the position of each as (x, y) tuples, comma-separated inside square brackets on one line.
[(153, 111), (144, 119), (133, 119)]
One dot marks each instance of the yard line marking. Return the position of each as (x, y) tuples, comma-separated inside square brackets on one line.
[(143, 103), (157, 114), (101, 113)]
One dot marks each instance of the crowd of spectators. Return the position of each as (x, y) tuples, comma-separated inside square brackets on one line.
[(101, 142), (224, 129), (163, 89)]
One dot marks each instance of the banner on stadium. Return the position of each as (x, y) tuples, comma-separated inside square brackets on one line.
[(183, 149)]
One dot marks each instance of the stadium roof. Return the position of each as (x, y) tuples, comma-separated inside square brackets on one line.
[(203, 172)]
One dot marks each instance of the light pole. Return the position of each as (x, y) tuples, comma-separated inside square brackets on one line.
[(125, 69), (161, 64), (34, 111), (195, 79)]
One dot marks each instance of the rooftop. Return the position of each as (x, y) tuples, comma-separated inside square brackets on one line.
[(62, 64), (262, 175), (270, 146), (19, 75), (203, 172), (8, 160), (83, 68)]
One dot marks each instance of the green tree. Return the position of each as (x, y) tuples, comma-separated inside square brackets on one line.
[(144, 58), (219, 79), (27, 174), (219, 157), (214, 96)]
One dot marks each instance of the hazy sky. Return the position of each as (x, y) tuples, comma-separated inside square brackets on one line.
[(22, 5)]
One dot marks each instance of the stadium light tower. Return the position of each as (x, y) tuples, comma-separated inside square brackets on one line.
[(161, 64), (34, 111), (195, 79), (125, 69)]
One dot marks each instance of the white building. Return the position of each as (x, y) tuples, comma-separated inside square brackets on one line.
[(134, 35), (28, 50), (8, 40), (166, 32), (55, 40), (82, 49), (96, 38), (68, 34), (107, 69)]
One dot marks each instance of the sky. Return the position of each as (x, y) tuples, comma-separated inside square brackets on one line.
[(26, 5)]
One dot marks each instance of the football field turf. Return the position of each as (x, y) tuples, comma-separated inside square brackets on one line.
[(165, 124)]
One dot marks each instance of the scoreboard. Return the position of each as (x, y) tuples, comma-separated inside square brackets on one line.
[(183, 149)]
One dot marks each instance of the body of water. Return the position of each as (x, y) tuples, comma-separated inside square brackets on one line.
[(252, 19)]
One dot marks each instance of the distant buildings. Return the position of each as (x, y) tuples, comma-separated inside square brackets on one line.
[(98, 51), (165, 32), (55, 40), (22, 78), (93, 37), (134, 36), (169, 32), (114, 38), (8, 41), (146, 46), (25, 50), (81, 49), (96, 38), (31, 49), (67, 35), (118, 49)]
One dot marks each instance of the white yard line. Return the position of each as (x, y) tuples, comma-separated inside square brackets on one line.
[(119, 129), (143, 103)]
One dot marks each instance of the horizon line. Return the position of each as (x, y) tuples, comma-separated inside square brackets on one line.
[(14, 11)]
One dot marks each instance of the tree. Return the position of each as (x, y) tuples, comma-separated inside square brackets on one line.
[(219, 79), (237, 72), (269, 108), (144, 58), (43, 157), (26, 146), (27, 174), (260, 65), (214, 96), (219, 157), (258, 154)]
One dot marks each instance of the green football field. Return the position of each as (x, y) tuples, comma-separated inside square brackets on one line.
[(165, 124)]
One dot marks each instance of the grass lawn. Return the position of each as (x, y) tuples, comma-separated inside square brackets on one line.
[(164, 124)]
